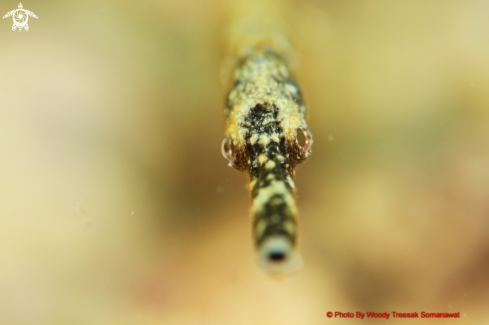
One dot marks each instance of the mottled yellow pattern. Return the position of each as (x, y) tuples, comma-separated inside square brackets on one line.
[(264, 113)]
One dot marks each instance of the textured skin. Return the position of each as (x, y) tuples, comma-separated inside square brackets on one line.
[(263, 112)]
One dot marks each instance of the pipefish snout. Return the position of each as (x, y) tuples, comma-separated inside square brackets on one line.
[(264, 126)]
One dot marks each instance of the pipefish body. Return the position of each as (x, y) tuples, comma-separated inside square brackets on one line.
[(264, 115)]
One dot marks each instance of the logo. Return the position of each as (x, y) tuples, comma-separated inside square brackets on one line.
[(20, 16)]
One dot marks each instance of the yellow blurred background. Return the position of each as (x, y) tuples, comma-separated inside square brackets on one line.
[(116, 206)]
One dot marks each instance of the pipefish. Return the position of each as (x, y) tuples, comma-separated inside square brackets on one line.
[(265, 116)]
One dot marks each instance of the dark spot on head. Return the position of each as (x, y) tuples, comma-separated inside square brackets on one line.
[(276, 256)]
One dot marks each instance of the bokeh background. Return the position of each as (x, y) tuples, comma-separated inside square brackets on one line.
[(116, 206)]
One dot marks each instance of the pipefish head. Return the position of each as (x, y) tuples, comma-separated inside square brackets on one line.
[(267, 136), (262, 138), (265, 114), (269, 154)]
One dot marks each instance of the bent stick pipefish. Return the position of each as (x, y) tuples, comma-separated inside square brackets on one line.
[(264, 115)]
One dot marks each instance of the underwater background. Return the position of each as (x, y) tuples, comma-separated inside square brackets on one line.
[(117, 207)]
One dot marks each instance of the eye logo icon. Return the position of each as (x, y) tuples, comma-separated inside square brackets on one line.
[(20, 16)]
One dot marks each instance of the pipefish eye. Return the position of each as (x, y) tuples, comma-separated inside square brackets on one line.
[(228, 150), (304, 138)]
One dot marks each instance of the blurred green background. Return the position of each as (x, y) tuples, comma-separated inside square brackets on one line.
[(116, 206)]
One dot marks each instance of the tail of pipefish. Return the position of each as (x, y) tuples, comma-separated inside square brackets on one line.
[(265, 117)]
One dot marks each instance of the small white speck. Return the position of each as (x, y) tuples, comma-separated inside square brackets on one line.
[(331, 137), (78, 207), (86, 222), (220, 189), (131, 213)]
